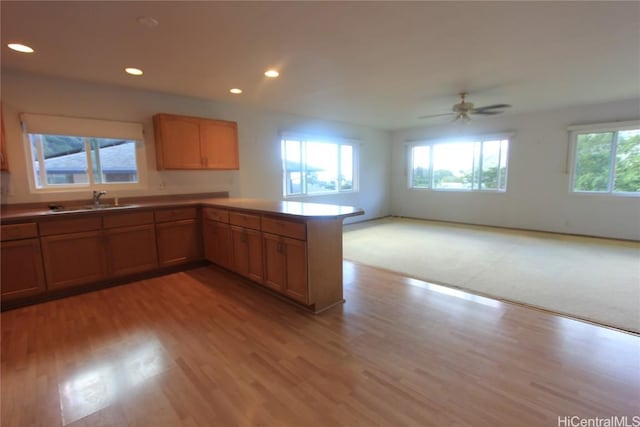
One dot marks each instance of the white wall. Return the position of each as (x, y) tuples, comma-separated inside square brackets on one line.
[(538, 184), (537, 196), (260, 173)]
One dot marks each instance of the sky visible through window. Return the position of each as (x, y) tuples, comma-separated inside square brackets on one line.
[(460, 165), (319, 166), (454, 157)]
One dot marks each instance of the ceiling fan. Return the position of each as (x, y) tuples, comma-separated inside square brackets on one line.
[(464, 109)]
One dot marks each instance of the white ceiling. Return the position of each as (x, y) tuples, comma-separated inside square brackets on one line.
[(380, 64)]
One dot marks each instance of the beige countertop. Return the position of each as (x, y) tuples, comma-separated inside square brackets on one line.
[(301, 209), (14, 213)]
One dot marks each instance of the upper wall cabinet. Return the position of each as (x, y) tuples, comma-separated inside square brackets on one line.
[(195, 143)]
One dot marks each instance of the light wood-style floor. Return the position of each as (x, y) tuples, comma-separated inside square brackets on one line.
[(200, 348)]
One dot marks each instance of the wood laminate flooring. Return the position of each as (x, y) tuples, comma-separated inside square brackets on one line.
[(203, 348)]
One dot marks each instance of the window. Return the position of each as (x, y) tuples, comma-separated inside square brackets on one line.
[(461, 165), (606, 159), (68, 153), (314, 167)]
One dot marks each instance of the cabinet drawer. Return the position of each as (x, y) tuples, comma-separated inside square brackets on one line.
[(71, 225), (283, 227), (214, 214), (127, 219), (245, 220), (175, 214), (19, 231)]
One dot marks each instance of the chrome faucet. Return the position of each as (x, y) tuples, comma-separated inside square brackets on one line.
[(96, 197)]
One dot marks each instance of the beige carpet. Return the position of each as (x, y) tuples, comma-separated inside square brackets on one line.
[(588, 278)]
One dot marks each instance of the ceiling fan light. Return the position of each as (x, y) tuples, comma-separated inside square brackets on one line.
[(462, 117), (463, 109)]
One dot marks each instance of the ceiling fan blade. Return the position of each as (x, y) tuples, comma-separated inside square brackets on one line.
[(486, 113), (430, 116), (492, 107)]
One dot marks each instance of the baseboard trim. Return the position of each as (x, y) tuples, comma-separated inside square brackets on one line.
[(504, 227)]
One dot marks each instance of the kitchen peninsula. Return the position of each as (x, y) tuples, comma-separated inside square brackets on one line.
[(292, 249)]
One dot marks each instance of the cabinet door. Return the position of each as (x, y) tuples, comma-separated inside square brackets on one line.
[(21, 273), (274, 262), (4, 164), (296, 285), (177, 142), (217, 243), (247, 253), (209, 241), (286, 266), (131, 249), (73, 259), (178, 242), (219, 144)]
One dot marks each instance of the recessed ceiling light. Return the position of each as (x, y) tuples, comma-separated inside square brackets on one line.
[(20, 47), (271, 73), (133, 71), (147, 21), (235, 90)]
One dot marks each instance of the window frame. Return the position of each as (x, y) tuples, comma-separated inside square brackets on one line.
[(36, 124), (478, 142), (572, 158), (339, 142)]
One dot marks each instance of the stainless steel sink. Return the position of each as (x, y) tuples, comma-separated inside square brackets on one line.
[(101, 206), (107, 206)]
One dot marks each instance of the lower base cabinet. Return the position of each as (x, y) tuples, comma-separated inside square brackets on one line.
[(73, 259), (178, 236), (298, 257), (178, 242), (21, 269), (131, 249), (217, 243), (286, 266), (247, 253)]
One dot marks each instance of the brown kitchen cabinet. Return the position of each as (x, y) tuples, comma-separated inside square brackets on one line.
[(177, 236), (247, 245), (284, 246), (219, 144), (4, 164), (21, 271), (73, 251), (286, 266), (130, 242), (216, 233), (184, 142), (285, 249), (247, 252)]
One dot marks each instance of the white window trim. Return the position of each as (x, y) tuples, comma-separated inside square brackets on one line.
[(574, 131), (310, 137), (605, 127), (83, 127), (410, 144)]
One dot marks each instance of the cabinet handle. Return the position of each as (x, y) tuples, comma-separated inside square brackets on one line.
[(280, 247)]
